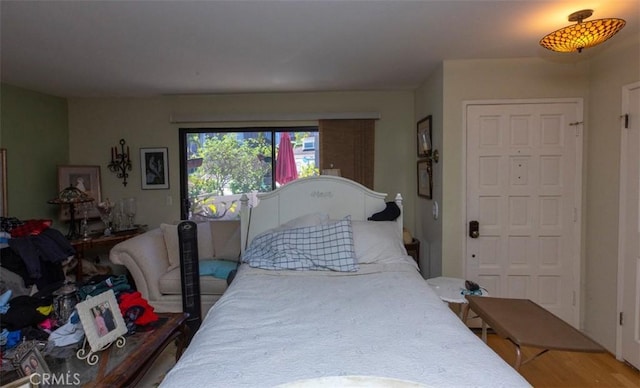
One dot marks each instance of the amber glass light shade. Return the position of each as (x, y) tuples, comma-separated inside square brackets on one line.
[(71, 195), (581, 35)]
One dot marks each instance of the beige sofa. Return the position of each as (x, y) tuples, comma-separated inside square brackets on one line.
[(153, 261)]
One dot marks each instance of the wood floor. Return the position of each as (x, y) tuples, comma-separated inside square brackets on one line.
[(569, 369)]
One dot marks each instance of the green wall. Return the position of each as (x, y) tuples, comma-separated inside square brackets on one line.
[(34, 130)]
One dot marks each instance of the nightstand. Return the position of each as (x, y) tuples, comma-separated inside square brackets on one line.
[(413, 250)]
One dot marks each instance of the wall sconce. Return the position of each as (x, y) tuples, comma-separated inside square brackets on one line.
[(120, 162), (435, 155)]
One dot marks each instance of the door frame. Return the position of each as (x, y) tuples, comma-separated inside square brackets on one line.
[(626, 89), (578, 192)]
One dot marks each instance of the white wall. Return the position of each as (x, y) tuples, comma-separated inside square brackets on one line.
[(428, 101), (598, 80), (96, 124), (482, 80), (617, 66)]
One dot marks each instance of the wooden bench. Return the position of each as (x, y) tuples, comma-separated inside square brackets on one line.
[(525, 323)]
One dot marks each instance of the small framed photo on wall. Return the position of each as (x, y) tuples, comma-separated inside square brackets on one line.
[(424, 137), (4, 210), (425, 179), (154, 168)]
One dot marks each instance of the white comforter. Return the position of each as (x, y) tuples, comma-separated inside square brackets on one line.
[(276, 327)]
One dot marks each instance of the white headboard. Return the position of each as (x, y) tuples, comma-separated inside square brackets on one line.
[(336, 196)]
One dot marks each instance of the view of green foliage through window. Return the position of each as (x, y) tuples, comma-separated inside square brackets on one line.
[(221, 165)]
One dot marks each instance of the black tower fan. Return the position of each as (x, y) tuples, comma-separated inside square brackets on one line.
[(190, 272)]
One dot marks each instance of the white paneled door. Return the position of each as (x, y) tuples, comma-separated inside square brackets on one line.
[(629, 232), (523, 174)]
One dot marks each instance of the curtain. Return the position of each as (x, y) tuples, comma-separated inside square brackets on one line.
[(348, 145)]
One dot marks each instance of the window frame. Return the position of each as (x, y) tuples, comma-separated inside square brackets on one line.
[(183, 134)]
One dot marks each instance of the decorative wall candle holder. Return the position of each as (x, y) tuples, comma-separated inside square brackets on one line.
[(120, 162)]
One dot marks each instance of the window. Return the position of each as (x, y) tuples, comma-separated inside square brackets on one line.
[(219, 165)]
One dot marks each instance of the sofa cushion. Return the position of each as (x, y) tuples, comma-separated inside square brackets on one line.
[(217, 268), (226, 239), (205, 246), (170, 284)]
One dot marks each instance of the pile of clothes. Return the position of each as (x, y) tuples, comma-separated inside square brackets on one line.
[(35, 252), (25, 318)]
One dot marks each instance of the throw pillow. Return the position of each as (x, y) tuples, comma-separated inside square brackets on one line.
[(217, 268)]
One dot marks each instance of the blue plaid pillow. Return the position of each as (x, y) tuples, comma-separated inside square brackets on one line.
[(320, 247)]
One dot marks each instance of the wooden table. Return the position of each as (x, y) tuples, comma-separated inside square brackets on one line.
[(139, 359), (525, 323), (99, 240), (124, 367)]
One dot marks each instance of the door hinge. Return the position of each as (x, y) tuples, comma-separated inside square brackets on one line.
[(626, 120), (621, 318), (575, 214), (573, 302)]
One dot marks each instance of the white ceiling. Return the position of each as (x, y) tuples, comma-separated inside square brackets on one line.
[(146, 48)]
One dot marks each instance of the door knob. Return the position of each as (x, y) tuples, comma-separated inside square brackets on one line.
[(474, 229)]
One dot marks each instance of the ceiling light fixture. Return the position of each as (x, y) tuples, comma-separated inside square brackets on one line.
[(582, 34)]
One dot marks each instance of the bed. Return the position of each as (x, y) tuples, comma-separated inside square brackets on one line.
[(371, 321)]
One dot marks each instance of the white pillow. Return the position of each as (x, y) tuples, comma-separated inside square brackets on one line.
[(311, 219), (170, 233), (375, 241)]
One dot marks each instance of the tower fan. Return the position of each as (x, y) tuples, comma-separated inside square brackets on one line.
[(190, 274)]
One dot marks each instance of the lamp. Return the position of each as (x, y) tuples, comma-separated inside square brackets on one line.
[(120, 162), (581, 35), (71, 196)]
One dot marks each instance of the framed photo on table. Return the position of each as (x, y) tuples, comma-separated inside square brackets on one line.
[(101, 320), (154, 168), (425, 179), (424, 137), (28, 360), (87, 180)]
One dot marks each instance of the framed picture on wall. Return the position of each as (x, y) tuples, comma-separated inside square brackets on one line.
[(154, 168), (424, 137), (87, 180), (4, 210), (425, 179)]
